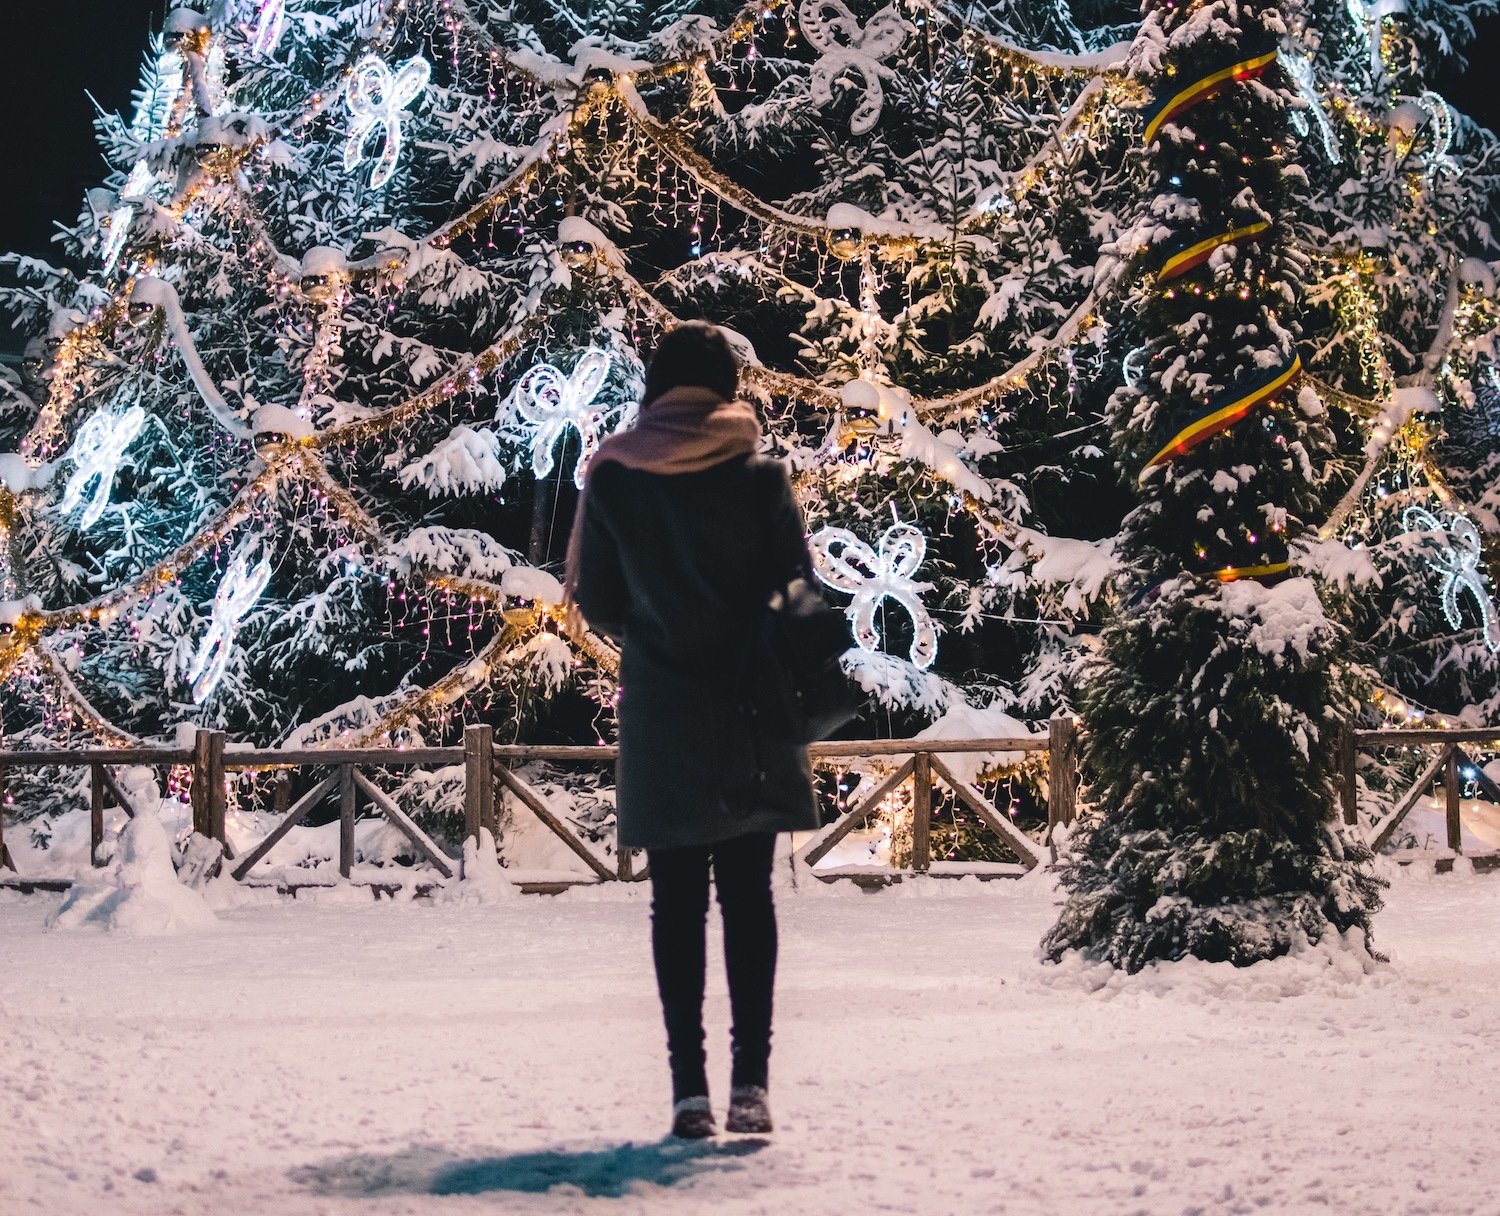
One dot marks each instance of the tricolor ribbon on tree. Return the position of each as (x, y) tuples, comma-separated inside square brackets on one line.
[(1167, 106), (1198, 252), (1223, 411)]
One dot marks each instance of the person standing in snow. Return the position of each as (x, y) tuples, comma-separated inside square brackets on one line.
[(680, 535)]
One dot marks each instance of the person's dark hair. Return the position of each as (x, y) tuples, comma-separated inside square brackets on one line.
[(695, 354)]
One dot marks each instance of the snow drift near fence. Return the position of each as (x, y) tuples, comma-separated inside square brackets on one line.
[(138, 894), (484, 880)]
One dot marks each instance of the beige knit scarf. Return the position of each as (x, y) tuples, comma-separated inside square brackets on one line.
[(685, 430)]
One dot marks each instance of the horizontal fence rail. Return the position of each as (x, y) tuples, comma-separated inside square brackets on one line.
[(1447, 763), (490, 767)]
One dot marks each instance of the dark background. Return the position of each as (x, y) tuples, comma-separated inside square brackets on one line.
[(59, 52)]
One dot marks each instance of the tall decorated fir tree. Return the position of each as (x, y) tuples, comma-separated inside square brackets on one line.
[(1211, 708)]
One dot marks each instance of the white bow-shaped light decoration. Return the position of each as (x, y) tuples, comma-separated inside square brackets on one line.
[(552, 402), (270, 24), (378, 99), (847, 564), (1458, 562), (1300, 68), (96, 453), (845, 45), (238, 590)]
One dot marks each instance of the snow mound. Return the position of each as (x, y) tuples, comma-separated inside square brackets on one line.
[(19, 475), (139, 894), (971, 722), (1336, 966), (484, 880)]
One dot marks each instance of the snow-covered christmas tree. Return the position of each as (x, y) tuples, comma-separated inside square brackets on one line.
[(298, 444)]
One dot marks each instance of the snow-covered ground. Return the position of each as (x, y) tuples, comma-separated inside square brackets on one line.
[(336, 1055)]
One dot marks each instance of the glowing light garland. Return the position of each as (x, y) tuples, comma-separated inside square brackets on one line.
[(238, 590), (871, 576), (1458, 564), (96, 453), (553, 403), (378, 99)]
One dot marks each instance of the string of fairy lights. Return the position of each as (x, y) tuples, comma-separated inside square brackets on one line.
[(377, 98)]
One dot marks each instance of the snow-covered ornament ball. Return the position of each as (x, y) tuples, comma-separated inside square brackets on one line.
[(96, 453), (579, 253), (843, 45), (582, 246), (845, 243), (846, 230), (1457, 564), (186, 29), (238, 591), (847, 564), (578, 241), (377, 99), (553, 402), (323, 270)]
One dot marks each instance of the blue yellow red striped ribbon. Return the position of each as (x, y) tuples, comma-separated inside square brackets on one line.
[(1232, 574), (1195, 255), (1170, 107), (1223, 412)]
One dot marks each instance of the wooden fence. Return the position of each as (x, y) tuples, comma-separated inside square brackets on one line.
[(1447, 763), (488, 765)]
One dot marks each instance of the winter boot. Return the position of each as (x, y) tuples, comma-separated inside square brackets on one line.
[(693, 1119), (749, 1110)]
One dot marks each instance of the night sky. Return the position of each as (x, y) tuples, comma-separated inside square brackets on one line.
[(59, 51)]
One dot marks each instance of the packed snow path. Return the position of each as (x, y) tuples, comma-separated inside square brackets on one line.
[(350, 1057)]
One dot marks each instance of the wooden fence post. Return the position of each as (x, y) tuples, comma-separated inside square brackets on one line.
[(1062, 771), (625, 860), (1348, 774), (96, 812), (207, 792), (921, 813), (479, 780), (7, 862), (348, 804), (217, 796), (1454, 792)]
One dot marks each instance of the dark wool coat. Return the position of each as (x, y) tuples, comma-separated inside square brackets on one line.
[(677, 569)]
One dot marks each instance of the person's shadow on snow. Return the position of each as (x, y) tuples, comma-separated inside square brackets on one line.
[(598, 1173)]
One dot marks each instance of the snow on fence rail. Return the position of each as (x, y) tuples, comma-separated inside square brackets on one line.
[(1450, 756), (488, 765)]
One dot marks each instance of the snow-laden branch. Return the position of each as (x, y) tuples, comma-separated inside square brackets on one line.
[(151, 292), (84, 708), (1110, 59), (1404, 404)]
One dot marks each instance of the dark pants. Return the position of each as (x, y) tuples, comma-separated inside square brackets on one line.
[(679, 914)]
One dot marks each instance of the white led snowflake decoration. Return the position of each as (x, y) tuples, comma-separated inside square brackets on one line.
[(553, 402), (1458, 564), (270, 24), (1300, 68), (96, 453), (238, 590), (843, 45), (376, 98), (847, 564)]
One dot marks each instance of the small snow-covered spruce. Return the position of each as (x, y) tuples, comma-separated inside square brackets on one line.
[(1210, 708)]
